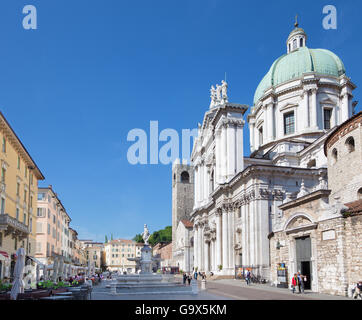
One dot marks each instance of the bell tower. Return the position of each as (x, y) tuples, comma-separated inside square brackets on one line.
[(182, 194)]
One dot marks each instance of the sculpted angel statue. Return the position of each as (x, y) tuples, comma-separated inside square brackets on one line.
[(224, 88), (145, 234), (218, 93)]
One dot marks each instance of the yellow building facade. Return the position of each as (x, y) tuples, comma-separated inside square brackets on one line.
[(18, 198)]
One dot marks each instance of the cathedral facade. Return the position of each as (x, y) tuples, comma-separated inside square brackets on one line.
[(237, 200)]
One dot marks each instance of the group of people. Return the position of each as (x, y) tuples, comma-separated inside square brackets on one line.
[(187, 276), (298, 280)]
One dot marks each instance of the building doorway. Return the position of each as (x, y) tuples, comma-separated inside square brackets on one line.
[(304, 263)]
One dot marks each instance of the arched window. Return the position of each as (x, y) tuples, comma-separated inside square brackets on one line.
[(301, 42), (359, 194), (335, 154), (212, 181), (185, 177), (350, 144)]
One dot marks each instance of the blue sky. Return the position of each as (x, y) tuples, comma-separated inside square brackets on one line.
[(94, 70)]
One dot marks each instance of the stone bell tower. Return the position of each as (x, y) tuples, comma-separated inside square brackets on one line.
[(182, 195)]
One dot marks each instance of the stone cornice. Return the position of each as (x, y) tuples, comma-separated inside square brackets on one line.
[(322, 193)]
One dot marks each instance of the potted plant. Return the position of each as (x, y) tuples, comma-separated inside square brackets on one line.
[(219, 267)]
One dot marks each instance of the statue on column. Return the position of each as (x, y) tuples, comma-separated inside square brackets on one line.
[(145, 235), (224, 88)]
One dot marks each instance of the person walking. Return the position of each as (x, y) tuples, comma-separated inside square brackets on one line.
[(300, 282), (247, 278), (357, 290), (195, 275), (189, 278), (294, 282), (184, 278)]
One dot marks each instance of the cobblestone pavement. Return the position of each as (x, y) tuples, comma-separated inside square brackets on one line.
[(237, 289)]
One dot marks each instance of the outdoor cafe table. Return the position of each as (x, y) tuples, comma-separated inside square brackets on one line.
[(57, 298)]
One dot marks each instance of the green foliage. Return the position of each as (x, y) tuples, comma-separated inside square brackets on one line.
[(164, 235), (138, 238), (105, 239), (220, 267), (111, 236), (5, 286)]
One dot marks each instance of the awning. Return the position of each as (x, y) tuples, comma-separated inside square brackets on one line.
[(35, 260), (4, 256)]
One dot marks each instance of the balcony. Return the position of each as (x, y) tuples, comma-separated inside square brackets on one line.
[(13, 226)]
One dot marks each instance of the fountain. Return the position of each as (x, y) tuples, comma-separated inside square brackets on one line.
[(147, 282)]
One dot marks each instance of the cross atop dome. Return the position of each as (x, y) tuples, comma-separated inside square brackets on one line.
[(297, 38)]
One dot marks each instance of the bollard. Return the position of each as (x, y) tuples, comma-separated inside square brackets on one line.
[(203, 284)]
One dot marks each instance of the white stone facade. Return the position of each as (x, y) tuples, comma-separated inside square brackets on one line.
[(236, 199)]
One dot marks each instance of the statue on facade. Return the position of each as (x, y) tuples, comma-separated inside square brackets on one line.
[(145, 235), (218, 93), (212, 96), (224, 89)]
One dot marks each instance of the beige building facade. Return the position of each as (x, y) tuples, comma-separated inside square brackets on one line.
[(18, 192), (117, 253)]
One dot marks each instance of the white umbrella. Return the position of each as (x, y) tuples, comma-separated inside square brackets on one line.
[(61, 267), (55, 269), (18, 284), (37, 272)]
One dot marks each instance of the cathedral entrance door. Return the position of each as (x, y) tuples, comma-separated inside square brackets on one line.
[(304, 253)]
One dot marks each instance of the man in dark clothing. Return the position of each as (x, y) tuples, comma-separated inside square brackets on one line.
[(189, 279), (184, 277)]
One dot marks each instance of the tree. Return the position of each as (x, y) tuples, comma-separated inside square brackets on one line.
[(138, 238), (111, 236), (105, 239)]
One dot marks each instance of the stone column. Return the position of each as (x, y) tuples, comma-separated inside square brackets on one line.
[(243, 234), (218, 240), (231, 150), (225, 258), (256, 138), (217, 174), (206, 183), (223, 157), (206, 256), (196, 235), (195, 186), (314, 113), (252, 136), (270, 121), (305, 110), (202, 173), (345, 107), (200, 247), (231, 238), (240, 148)]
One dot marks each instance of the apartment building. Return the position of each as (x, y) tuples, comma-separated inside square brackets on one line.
[(18, 191), (117, 253)]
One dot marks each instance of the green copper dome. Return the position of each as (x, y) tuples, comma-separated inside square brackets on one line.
[(295, 64)]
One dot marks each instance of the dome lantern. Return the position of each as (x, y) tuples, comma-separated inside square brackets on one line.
[(297, 38)]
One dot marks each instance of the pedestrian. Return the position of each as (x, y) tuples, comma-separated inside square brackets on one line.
[(203, 276), (294, 282), (300, 283), (184, 278), (247, 278), (189, 279), (195, 275), (357, 290)]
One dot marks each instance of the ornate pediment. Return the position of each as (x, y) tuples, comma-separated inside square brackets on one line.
[(300, 223), (328, 101)]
